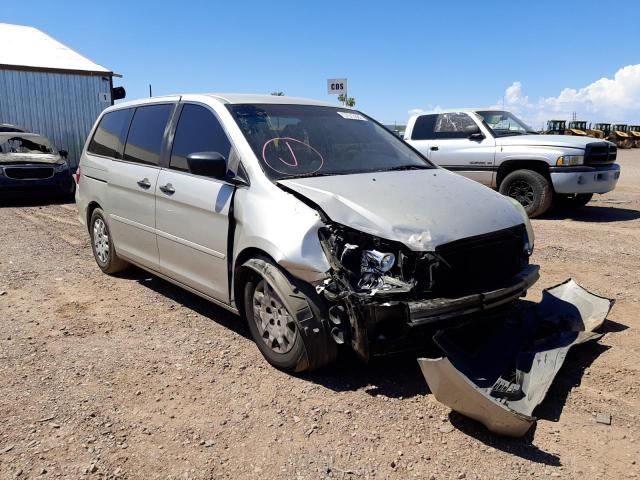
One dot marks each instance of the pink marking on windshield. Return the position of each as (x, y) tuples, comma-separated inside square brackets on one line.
[(294, 164), (293, 155)]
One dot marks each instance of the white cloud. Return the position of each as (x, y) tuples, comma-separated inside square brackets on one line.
[(513, 95), (429, 109), (612, 100)]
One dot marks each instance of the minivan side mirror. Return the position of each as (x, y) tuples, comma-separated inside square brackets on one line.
[(207, 164), (473, 132), (63, 153)]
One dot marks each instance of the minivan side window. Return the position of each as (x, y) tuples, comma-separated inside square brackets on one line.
[(108, 139), (198, 130), (144, 141), (441, 126)]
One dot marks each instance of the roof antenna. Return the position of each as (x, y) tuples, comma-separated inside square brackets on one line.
[(150, 94)]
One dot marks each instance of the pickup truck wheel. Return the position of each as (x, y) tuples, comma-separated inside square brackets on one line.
[(285, 319), (104, 251), (576, 200), (531, 189)]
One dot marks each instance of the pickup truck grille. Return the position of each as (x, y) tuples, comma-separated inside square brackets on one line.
[(600, 153), (481, 263), (28, 173)]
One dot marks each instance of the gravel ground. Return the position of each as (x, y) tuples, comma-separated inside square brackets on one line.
[(131, 377)]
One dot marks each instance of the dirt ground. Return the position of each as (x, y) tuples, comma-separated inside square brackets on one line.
[(131, 377)]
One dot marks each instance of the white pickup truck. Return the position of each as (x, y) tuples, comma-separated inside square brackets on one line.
[(497, 149)]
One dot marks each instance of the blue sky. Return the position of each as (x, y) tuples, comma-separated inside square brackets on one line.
[(398, 56)]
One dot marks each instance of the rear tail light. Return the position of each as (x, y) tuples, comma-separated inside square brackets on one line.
[(76, 176)]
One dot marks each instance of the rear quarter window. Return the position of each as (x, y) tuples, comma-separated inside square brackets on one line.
[(423, 128), (108, 139), (441, 126)]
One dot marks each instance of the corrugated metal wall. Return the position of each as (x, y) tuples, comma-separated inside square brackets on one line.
[(60, 106)]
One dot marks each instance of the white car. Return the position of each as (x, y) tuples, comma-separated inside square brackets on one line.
[(497, 149), (312, 221)]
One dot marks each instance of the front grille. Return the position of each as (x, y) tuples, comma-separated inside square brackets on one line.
[(600, 153), (482, 263), (28, 173)]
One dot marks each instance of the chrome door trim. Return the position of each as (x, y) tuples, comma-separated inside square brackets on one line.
[(190, 244), (132, 223)]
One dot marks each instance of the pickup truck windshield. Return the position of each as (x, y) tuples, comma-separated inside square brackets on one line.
[(504, 124), (305, 141)]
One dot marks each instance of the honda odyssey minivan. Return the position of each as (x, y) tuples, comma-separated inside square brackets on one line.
[(313, 222)]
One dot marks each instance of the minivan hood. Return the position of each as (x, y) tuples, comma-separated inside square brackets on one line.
[(422, 209), (6, 158), (566, 141)]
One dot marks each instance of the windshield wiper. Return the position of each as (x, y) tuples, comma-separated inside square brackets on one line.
[(404, 167), (322, 174), (306, 175)]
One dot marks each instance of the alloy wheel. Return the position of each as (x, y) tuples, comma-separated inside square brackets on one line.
[(522, 192), (101, 240), (275, 325)]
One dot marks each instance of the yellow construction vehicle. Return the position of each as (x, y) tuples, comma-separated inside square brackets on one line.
[(578, 128), (556, 127), (595, 131), (634, 131), (605, 128), (619, 136)]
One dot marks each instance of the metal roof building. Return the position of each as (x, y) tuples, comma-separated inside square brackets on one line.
[(50, 89)]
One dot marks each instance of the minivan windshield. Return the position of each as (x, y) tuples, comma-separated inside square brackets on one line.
[(293, 141), (504, 124)]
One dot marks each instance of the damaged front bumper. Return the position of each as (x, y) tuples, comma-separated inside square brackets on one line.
[(434, 310), (384, 327), (497, 371)]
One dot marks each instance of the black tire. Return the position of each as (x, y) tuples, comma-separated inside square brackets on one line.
[(531, 189), (312, 346), (109, 263), (577, 200), (71, 191)]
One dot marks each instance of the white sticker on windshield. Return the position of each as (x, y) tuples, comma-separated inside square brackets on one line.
[(352, 116)]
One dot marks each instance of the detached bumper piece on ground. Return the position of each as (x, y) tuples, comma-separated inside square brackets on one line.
[(499, 370)]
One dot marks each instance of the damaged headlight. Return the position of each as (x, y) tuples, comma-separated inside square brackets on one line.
[(362, 264), (382, 262), (527, 224), (374, 265), (368, 265)]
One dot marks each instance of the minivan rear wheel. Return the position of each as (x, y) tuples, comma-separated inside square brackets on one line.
[(530, 188), (104, 251), (285, 318)]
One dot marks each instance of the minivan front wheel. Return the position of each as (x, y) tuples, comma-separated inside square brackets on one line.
[(531, 189), (285, 318), (102, 245), (274, 323)]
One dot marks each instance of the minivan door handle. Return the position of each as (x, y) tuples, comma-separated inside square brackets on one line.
[(434, 148), (144, 183), (168, 189)]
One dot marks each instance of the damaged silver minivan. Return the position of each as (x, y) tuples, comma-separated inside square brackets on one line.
[(313, 222)]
